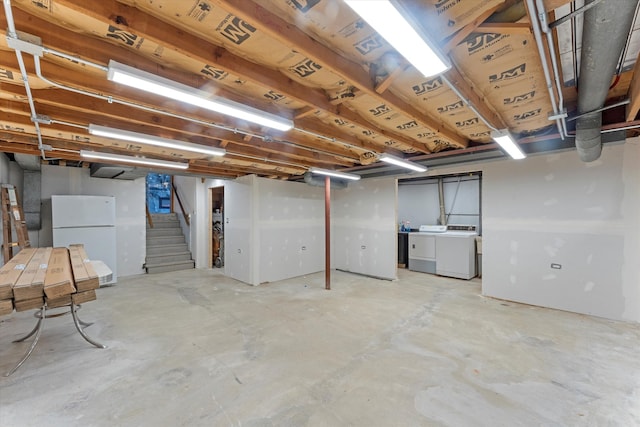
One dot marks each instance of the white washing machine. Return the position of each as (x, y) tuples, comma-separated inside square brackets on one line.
[(456, 254)]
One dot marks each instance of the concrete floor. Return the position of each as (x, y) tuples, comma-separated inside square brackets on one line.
[(194, 348)]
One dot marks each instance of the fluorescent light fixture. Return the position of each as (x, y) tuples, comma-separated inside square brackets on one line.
[(506, 141), (135, 160), (129, 76), (402, 163), (335, 174), (126, 135), (383, 17)]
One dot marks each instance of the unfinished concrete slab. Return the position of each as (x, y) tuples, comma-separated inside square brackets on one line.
[(194, 348)]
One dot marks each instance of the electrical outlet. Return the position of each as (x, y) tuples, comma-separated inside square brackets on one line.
[(556, 266)]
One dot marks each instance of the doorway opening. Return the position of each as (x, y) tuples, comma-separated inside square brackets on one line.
[(158, 193), (216, 249), (440, 224)]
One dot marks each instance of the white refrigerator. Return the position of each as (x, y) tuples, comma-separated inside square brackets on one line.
[(90, 220)]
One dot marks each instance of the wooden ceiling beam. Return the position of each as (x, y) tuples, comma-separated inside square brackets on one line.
[(277, 28), (60, 75), (321, 128), (388, 80), (268, 162), (634, 93), (57, 106), (519, 28), (78, 80), (351, 116), (151, 28), (549, 5), (465, 31), (478, 101), (12, 143)]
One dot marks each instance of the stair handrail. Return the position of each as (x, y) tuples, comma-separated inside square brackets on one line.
[(175, 190), (149, 219)]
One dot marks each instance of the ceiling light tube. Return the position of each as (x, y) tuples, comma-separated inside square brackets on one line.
[(156, 141), (402, 163), (129, 76), (383, 17), (506, 141), (129, 159), (335, 174)]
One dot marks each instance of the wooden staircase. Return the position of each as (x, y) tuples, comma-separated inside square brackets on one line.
[(166, 246)]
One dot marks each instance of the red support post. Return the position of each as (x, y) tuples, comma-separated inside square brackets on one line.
[(327, 231)]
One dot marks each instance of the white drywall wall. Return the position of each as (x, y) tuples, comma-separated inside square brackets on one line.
[(238, 229), (4, 169), (462, 201), (130, 210), (187, 192), (290, 229), (364, 228), (554, 209), (418, 201)]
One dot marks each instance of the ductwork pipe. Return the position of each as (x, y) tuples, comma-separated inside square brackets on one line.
[(605, 30), (443, 215)]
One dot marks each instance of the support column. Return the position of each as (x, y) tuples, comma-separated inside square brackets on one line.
[(327, 232)]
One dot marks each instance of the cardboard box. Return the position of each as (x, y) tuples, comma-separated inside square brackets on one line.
[(6, 307), (84, 274), (11, 271), (82, 297), (29, 304), (58, 280), (58, 302), (30, 285)]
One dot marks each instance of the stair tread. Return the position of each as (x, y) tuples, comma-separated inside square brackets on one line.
[(169, 254), (166, 241), (163, 237), (190, 261)]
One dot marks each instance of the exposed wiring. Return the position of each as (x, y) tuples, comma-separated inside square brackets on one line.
[(571, 15), (468, 103), (539, 25), (607, 107), (11, 32)]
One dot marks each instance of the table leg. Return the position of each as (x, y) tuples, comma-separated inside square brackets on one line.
[(37, 330), (76, 322), (33, 331)]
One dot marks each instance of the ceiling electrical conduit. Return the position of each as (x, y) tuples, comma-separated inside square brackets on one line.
[(467, 102), (545, 66), (11, 32), (85, 127), (111, 99), (542, 17)]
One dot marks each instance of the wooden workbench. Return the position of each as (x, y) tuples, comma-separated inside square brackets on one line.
[(45, 279)]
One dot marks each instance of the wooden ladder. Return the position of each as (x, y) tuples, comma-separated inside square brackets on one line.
[(12, 216)]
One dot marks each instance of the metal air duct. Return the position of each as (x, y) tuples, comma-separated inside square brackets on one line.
[(317, 181), (605, 30)]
